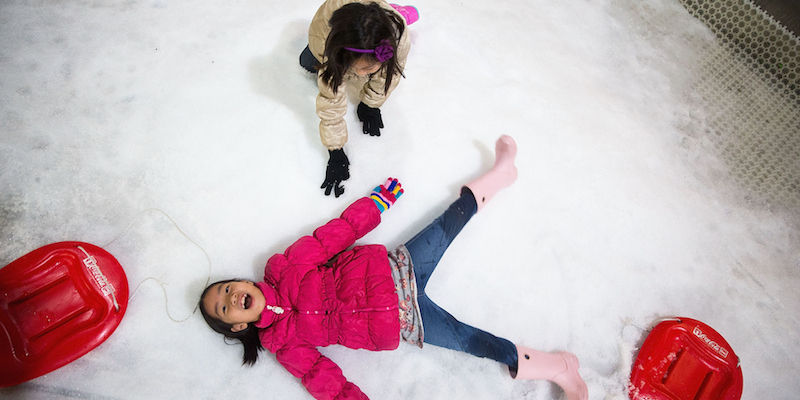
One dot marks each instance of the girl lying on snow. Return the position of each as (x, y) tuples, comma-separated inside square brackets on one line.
[(319, 293)]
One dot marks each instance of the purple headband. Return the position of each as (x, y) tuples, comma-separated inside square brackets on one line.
[(383, 52)]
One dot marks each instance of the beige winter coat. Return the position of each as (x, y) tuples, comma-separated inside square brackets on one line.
[(331, 108)]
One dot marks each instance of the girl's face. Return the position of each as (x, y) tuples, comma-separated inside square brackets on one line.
[(237, 303), (366, 66)]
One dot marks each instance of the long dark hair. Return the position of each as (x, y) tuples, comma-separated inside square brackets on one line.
[(360, 26), (248, 336)]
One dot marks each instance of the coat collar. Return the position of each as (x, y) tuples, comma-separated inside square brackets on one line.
[(272, 311)]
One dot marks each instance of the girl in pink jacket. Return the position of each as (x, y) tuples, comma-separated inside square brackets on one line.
[(318, 293)]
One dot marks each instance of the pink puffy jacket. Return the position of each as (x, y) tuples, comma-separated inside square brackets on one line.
[(314, 299)]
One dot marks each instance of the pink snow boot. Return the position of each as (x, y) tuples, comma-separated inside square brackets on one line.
[(502, 175), (410, 13), (560, 368)]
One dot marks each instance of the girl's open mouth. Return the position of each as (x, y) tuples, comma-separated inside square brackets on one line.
[(247, 301)]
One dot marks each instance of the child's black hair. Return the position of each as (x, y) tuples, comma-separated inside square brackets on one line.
[(360, 26), (248, 336)]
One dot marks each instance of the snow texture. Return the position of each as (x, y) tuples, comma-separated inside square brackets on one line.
[(620, 215)]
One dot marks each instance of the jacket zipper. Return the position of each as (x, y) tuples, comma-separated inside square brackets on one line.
[(281, 310)]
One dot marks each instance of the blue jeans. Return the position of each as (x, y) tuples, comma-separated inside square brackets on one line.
[(441, 328)]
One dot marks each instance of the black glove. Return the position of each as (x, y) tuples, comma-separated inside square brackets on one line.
[(338, 171), (371, 117)]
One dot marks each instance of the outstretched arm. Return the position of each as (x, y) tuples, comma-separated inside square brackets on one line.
[(321, 376), (338, 234)]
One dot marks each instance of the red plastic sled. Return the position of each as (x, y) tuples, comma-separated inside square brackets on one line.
[(684, 359), (57, 303)]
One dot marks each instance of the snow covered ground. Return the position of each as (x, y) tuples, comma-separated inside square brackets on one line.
[(620, 216)]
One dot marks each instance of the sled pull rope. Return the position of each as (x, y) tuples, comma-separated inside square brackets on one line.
[(159, 281)]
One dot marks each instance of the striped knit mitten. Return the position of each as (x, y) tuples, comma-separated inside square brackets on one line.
[(385, 195)]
